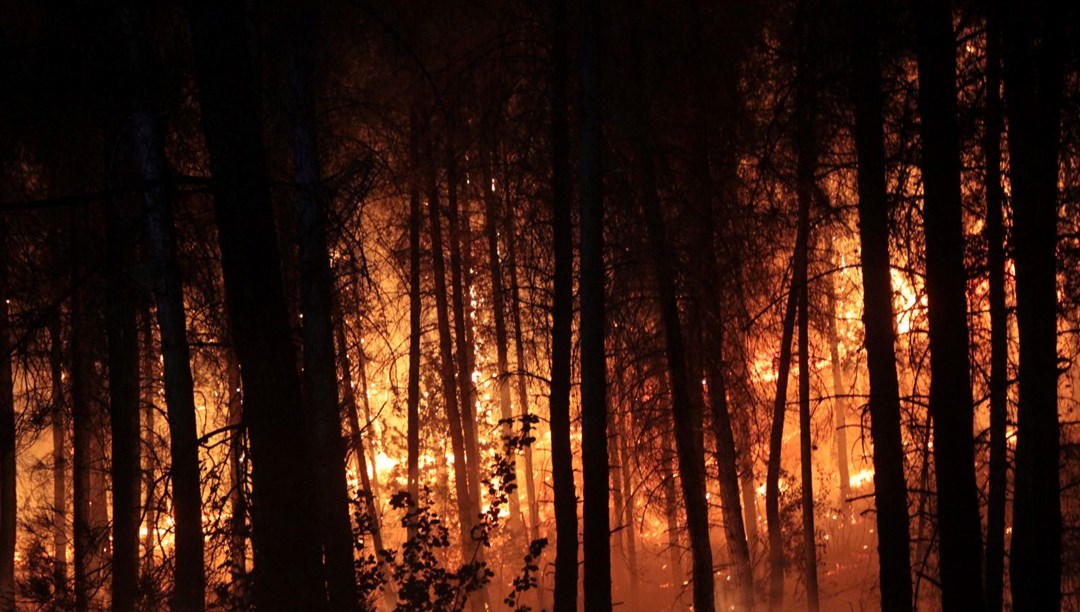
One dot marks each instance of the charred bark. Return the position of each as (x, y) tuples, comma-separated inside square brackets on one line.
[(999, 319), (190, 576), (288, 564), (951, 402), (316, 291), (562, 467), (449, 383), (890, 486), (596, 537), (123, 361), (59, 456), (1033, 52), (8, 507), (776, 443)]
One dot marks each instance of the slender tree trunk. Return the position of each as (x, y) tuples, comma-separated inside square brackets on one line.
[(123, 361), (8, 506), (60, 457), (950, 386), (890, 486), (629, 517), (288, 567), (459, 295), (689, 442), (449, 384), (316, 290), (776, 444), (742, 405), (348, 401), (89, 498), (147, 396), (671, 516), (369, 420), (596, 536), (999, 319), (840, 400), (491, 225), (806, 151), (562, 458), (711, 299), (522, 386), (416, 222), (562, 466), (190, 579), (1034, 50), (237, 498)]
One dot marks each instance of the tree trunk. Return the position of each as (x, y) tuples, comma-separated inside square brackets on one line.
[(60, 457), (8, 506), (890, 486), (562, 465), (629, 518), (88, 521), (1034, 50), (522, 385), (189, 592), (950, 387), (237, 497), (840, 401), (498, 304), (149, 408), (596, 538), (348, 402), (712, 297), (671, 517), (689, 442), (806, 151), (288, 567), (458, 294), (416, 222), (316, 291), (450, 398), (123, 360), (999, 320), (776, 444)]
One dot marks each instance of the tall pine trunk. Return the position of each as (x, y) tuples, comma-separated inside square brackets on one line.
[(685, 392), (1034, 48), (463, 345), (522, 386), (368, 495), (449, 384), (59, 456), (562, 466), (890, 486), (123, 360), (416, 222), (316, 291), (950, 381), (8, 506), (776, 445), (999, 319), (498, 305), (596, 537), (711, 282), (238, 505), (190, 579), (288, 559), (840, 404), (806, 152), (88, 517)]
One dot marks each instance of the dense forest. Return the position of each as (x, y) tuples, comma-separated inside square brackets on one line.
[(564, 305)]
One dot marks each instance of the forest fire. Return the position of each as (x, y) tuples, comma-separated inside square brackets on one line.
[(561, 306)]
